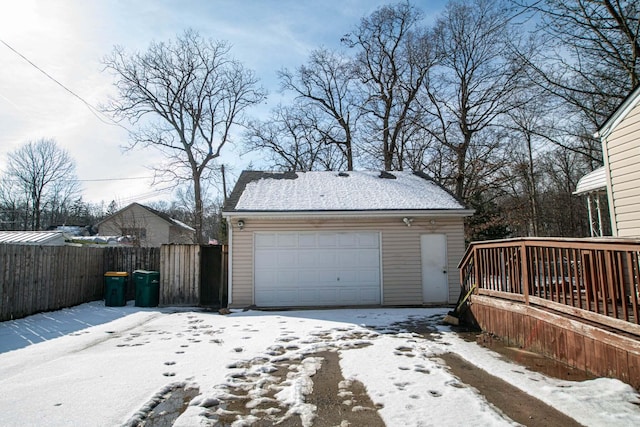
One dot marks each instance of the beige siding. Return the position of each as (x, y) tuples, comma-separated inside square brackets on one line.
[(157, 229), (622, 148), (624, 168), (400, 252)]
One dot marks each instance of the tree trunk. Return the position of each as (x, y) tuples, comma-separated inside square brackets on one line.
[(198, 215)]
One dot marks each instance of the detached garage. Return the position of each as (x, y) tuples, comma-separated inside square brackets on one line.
[(314, 239)]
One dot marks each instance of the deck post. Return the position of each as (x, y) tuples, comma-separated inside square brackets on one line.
[(476, 269), (524, 259)]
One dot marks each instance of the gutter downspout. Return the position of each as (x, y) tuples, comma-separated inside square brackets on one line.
[(230, 266)]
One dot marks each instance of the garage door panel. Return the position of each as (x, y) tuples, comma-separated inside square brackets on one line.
[(307, 241), (327, 240), (347, 278), (308, 296), (266, 260), (327, 277), (324, 258), (369, 276), (349, 240), (269, 279), (308, 277), (287, 240), (368, 258), (316, 269), (287, 279), (370, 295), (265, 240), (368, 240), (306, 259), (288, 296)]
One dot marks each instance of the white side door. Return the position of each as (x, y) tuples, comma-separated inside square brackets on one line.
[(435, 286)]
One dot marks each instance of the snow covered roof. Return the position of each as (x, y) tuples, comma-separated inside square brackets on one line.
[(338, 191), (593, 181), (47, 238)]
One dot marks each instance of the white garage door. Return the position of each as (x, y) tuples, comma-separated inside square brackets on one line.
[(316, 269)]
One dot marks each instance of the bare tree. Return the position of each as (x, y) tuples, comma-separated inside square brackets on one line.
[(294, 139), (592, 60), (589, 63), (327, 84), (14, 215), (394, 55), (184, 96), (474, 84), (44, 174)]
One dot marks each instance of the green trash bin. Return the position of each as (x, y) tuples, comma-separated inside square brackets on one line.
[(115, 286), (147, 285)]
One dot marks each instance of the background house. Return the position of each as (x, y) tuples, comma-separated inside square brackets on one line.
[(148, 227), (620, 136), (356, 238)]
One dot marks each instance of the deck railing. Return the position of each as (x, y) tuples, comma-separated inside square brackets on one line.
[(595, 279)]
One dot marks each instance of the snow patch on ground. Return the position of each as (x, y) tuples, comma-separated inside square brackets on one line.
[(256, 365)]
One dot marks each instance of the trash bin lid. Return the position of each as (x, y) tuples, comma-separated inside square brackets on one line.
[(116, 274)]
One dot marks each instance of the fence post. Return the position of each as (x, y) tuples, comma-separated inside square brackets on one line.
[(524, 259)]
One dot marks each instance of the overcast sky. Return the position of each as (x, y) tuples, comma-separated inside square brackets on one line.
[(68, 39)]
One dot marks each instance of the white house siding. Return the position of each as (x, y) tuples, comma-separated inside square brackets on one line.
[(622, 158), (401, 262)]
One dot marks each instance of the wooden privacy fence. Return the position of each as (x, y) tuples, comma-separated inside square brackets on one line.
[(179, 274), (193, 275), (45, 278)]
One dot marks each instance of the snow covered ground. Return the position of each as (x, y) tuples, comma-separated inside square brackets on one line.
[(104, 366)]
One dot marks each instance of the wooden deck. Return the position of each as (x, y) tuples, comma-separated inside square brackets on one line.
[(576, 300)]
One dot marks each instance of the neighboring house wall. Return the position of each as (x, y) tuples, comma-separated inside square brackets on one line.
[(621, 149), (152, 230), (400, 252)]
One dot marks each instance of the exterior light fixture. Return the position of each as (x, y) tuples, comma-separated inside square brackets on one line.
[(407, 221), (240, 224)]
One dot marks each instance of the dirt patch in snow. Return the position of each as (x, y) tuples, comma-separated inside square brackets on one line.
[(338, 402), (514, 403)]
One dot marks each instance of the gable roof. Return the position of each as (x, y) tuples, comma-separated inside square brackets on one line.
[(625, 107), (162, 215), (339, 191)]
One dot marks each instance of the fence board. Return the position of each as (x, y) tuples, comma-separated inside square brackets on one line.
[(180, 275)]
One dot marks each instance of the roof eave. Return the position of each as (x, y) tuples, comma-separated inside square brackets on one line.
[(619, 113), (349, 213)]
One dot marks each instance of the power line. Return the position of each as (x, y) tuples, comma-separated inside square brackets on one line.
[(113, 179), (90, 107), (134, 178)]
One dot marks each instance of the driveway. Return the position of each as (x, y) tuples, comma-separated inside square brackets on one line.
[(324, 367)]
